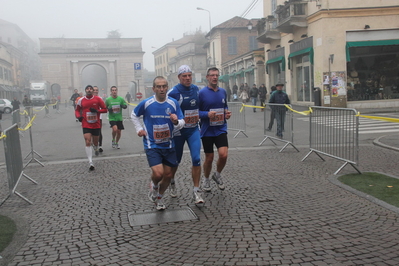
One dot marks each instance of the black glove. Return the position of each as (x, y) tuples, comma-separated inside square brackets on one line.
[(80, 118), (110, 110), (124, 106), (93, 110)]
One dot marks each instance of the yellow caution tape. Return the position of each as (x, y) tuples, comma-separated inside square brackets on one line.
[(2, 136), (132, 104), (388, 119), (301, 113), (28, 125)]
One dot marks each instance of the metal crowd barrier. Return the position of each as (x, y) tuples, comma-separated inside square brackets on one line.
[(334, 132), (16, 119), (127, 112), (46, 109), (12, 150), (237, 119), (278, 125), (32, 151)]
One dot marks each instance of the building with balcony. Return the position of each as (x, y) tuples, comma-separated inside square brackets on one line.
[(185, 51), (349, 49), (19, 61), (230, 39)]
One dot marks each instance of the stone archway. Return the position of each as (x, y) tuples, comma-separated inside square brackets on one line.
[(95, 75), (69, 63)]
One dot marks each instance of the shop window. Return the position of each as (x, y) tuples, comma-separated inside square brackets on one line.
[(373, 73)]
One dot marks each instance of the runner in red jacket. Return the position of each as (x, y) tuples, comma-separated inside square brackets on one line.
[(87, 111)]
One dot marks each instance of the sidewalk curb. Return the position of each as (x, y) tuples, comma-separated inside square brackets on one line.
[(377, 142), (334, 179)]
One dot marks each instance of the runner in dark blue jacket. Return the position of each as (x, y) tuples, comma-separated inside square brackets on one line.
[(186, 95)]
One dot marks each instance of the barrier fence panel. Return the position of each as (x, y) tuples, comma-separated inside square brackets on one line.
[(334, 132), (237, 119), (13, 155), (278, 125), (46, 109), (32, 151)]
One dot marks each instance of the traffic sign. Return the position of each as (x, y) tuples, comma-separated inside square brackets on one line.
[(137, 66), (139, 95)]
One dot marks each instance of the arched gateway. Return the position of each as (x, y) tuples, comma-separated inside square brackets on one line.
[(74, 63)]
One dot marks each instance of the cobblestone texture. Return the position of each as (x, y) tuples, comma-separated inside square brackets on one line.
[(276, 210)]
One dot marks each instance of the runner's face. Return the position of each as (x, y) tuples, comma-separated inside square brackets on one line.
[(160, 89), (185, 79), (89, 91), (95, 91), (114, 92), (213, 77)]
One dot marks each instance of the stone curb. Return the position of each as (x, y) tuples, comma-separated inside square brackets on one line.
[(377, 142), (334, 179)]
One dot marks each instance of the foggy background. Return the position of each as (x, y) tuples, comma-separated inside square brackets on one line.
[(157, 22)]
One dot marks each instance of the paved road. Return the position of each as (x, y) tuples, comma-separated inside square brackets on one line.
[(276, 210)]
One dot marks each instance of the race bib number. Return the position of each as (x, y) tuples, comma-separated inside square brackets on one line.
[(116, 109), (91, 117), (161, 133), (191, 117), (219, 118)]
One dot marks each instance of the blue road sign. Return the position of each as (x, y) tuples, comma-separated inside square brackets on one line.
[(137, 66)]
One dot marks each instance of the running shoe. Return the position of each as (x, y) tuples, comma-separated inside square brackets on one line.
[(160, 204), (197, 196), (96, 152), (206, 184), (91, 168), (113, 144), (172, 190), (117, 146), (218, 181), (153, 193), (100, 149)]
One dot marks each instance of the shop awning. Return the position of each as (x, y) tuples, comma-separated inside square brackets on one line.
[(308, 50), (224, 78), (275, 60), (368, 43), (6, 88), (249, 70), (240, 73)]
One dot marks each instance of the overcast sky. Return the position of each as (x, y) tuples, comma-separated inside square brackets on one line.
[(157, 22)]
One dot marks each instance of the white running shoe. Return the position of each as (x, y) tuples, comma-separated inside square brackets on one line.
[(117, 146), (153, 193), (218, 181), (160, 204), (206, 184), (172, 190), (91, 168), (197, 196), (113, 144)]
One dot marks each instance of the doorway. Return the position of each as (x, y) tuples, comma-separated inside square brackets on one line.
[(304, 79)]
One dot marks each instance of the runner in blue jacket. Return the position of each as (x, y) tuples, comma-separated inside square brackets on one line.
[(186, 95)]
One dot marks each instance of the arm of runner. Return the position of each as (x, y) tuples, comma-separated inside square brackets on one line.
[(136, 122)]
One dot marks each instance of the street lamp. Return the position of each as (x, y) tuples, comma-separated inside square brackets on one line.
[(210, 25)]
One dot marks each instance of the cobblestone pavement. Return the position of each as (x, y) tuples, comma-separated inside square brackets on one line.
[(276, 210)]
